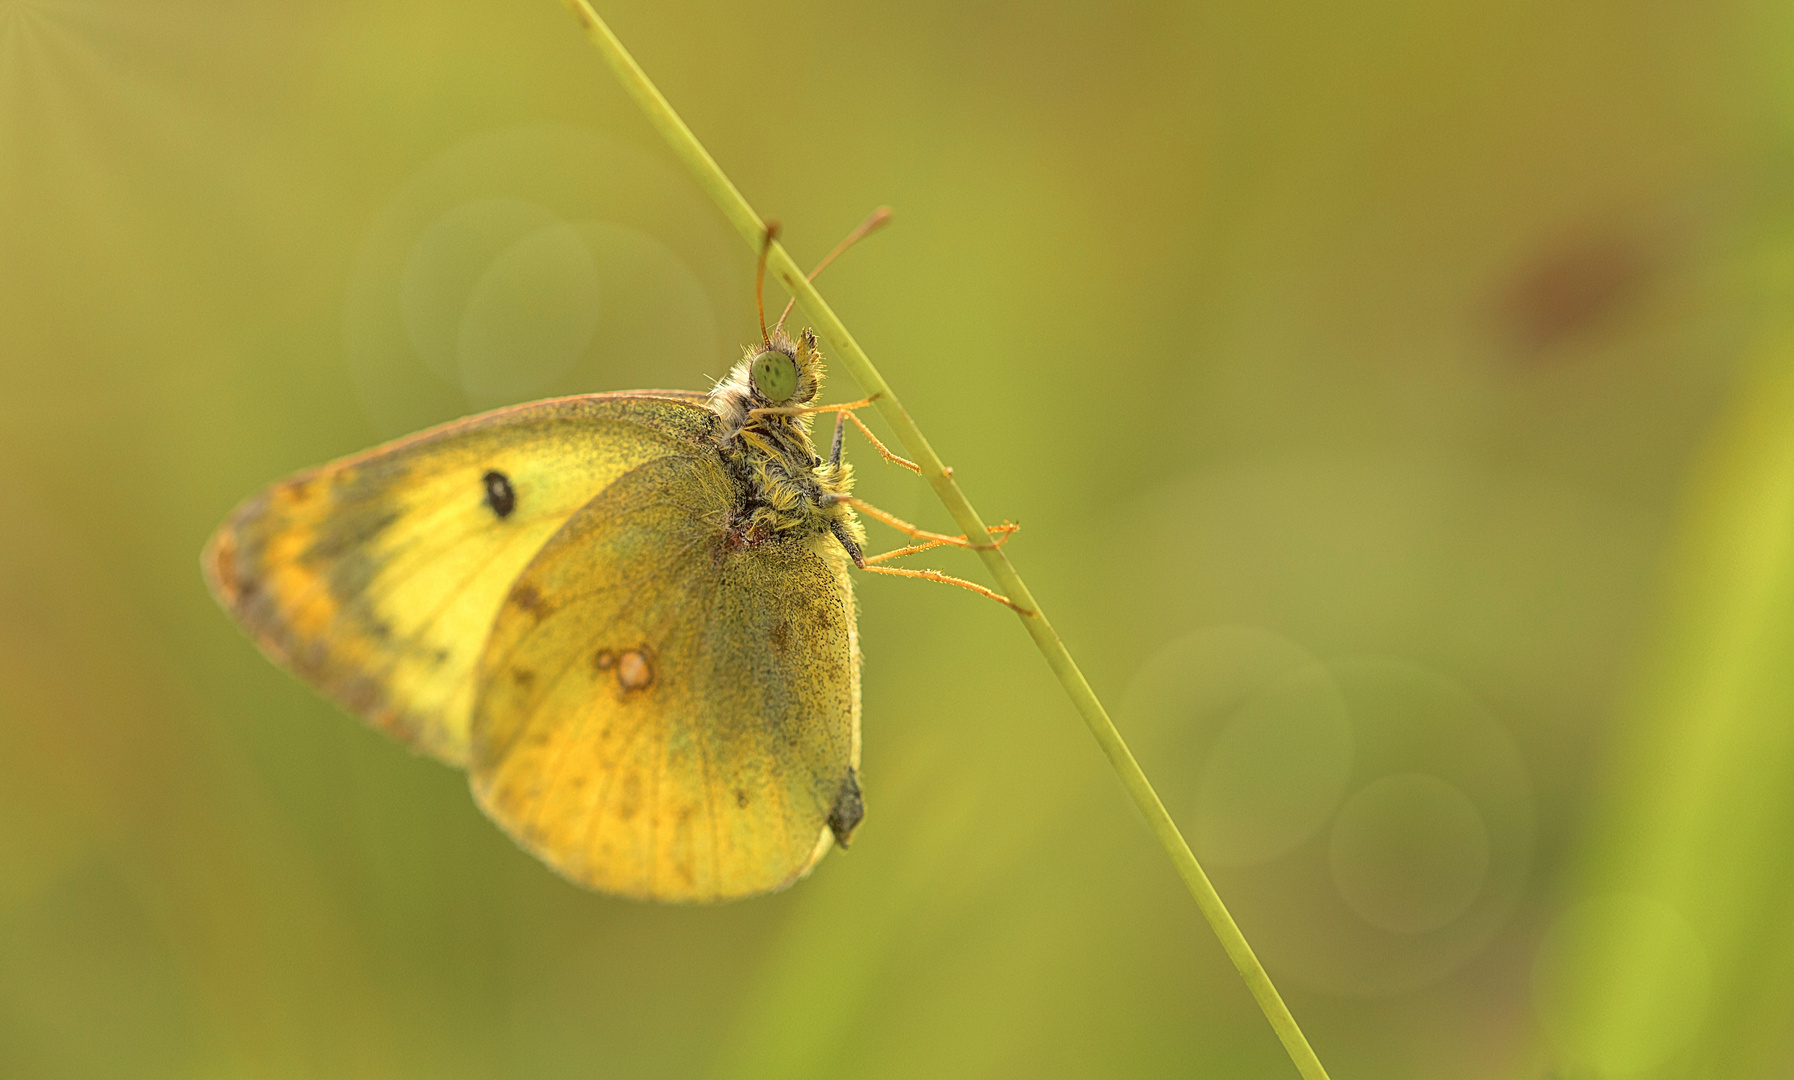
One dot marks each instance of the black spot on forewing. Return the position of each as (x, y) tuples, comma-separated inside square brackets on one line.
[(849, 809), (500, 495)]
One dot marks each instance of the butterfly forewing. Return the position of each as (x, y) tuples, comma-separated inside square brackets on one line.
[(666, 713), (377, 577)]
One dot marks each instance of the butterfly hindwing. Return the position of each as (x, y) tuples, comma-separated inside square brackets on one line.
[(377, 577), (665, 711)]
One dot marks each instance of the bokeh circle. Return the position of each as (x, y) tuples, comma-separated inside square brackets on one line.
[(1621, 983), (532, 262), (1368, 820), (1409, 853)]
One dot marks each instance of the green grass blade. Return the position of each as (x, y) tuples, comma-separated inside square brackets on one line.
[(753, 230), (1676, 956)]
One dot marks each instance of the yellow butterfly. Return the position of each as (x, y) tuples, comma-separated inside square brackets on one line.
[(628, 616)]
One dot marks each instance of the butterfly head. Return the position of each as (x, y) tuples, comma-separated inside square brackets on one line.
[(781, 373), (785, 372)]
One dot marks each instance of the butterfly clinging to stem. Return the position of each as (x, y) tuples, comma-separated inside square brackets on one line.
[(627, 616)]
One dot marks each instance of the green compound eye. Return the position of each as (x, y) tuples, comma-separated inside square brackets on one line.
[(775, 376)]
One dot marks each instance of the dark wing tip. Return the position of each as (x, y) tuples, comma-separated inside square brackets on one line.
[(849, 810)]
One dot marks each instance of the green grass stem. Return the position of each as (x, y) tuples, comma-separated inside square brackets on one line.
[(712, 178)]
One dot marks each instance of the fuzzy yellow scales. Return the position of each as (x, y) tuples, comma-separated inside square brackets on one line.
[(627, 616)]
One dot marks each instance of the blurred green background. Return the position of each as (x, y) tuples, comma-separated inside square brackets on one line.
[(1398, 399)]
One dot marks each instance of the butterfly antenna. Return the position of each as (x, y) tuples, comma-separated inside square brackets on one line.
[(772, 232), (866, 228)]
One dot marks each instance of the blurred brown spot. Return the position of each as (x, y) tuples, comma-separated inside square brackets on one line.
[(1569, 287), (526, 597), (363, 695)]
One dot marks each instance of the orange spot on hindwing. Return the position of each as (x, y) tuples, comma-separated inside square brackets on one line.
[(635, 670)]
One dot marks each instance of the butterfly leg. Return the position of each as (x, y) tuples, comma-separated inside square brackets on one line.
[(844, 412), (936, 575), (902, 551), (883, 450), (1001, 532), (930, 541), (945, 579)]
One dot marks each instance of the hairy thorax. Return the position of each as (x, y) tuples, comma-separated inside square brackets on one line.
[(786, 490)]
